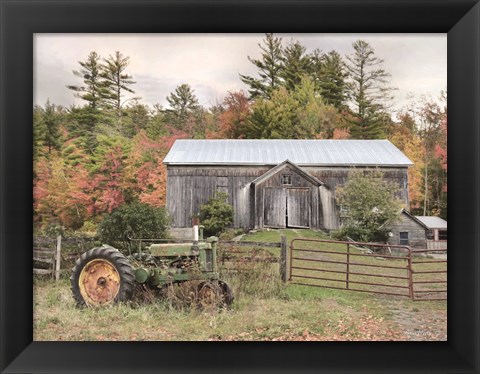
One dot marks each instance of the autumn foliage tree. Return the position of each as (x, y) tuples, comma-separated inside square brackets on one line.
[(93, 159), (233, 119)]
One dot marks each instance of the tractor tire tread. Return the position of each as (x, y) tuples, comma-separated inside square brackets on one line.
[(121, 263)]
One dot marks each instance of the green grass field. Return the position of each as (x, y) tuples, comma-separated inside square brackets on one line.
[(264, 309)]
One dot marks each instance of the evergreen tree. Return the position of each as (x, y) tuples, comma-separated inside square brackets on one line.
[(46, 128), (83, 123), (51, 120), (297, 64), (156, 126), (135, 117), (330, 75), (183, 103), (115, 81), (38, 131), (369, 90), (93, 91), (269, 68)]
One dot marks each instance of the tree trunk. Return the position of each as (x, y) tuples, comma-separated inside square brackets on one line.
[(426, 186)]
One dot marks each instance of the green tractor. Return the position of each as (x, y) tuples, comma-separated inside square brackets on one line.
[(104, 275)]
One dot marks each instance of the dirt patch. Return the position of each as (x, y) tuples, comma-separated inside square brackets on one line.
[(418, 321)]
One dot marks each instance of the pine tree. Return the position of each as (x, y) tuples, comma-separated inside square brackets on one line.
[(297, 64), (135, 117), (52, 126), (39, 131), (156, 126), (183, 103), (269, 68), (46, 129), (115, 81), (369, 90), (330, 75), (82, 122), (93, 91)]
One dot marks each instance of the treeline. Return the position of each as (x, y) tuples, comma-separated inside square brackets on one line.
[(90, 159)]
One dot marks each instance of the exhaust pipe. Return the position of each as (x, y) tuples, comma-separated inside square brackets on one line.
[(195, 233), (195, 223)]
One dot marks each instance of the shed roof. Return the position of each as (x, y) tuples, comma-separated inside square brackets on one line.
[(275, 151), (433, 222)]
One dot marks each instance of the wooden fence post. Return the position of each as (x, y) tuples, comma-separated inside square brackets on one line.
[(58, 257), (283, 258), (410, 274)]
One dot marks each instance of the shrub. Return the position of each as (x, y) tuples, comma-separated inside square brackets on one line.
[(216, 215), (231, 233), (360, 234), (135, 218), (370, 203)]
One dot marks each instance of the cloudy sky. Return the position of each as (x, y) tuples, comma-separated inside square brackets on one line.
[(210, 63)]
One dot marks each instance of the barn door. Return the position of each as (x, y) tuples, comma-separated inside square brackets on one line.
[(298, 207), (274, 207)]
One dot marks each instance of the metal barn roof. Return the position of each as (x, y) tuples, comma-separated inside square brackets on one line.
[(433, 222), (273, 152)]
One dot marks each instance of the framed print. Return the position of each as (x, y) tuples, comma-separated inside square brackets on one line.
[(21, 21)]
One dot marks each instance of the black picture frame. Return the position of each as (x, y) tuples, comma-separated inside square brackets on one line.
[(21, 19)]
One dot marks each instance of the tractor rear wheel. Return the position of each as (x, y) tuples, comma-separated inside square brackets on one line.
[(102, 276)]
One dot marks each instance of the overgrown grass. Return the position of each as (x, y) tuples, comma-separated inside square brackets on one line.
[(291, 312), (264, 309)]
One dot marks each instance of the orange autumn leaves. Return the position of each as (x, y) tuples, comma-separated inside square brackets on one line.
[(73, 187)]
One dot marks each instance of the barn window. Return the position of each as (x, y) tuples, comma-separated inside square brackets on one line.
[(442, 235), (222, 184), (222, 181), (287, 179), (403, 237), (430, 235)]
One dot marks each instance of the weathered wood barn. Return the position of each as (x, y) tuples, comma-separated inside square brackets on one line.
[(274, 183)]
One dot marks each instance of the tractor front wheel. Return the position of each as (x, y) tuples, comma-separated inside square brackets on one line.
[(102, 276), (212, 294)]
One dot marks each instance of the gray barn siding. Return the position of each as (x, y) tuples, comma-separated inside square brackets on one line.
[(188, 187), (334, 177)]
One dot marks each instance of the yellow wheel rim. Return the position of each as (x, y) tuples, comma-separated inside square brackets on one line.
[(99, 282)]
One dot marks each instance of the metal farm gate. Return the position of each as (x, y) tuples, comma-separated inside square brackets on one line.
[(368, 267)]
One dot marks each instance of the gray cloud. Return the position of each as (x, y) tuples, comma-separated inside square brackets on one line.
[(211, 63)]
